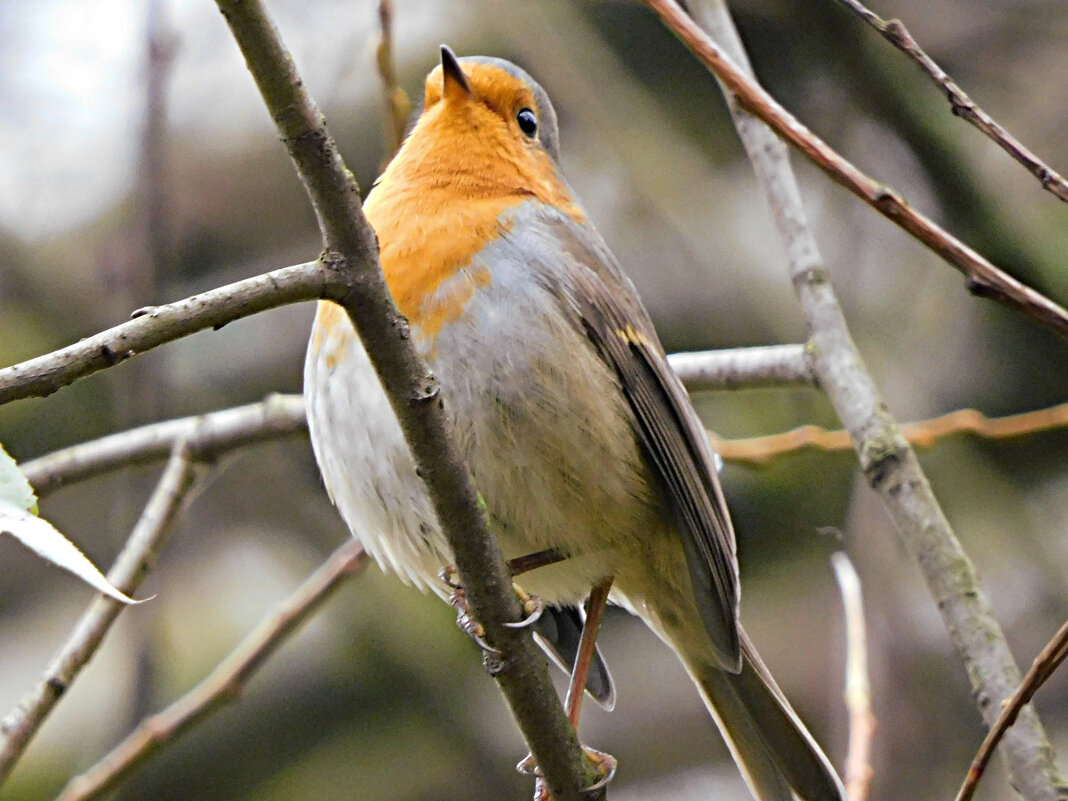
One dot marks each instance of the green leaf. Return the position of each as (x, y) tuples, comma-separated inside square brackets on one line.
[(44, 539), (14, 488)]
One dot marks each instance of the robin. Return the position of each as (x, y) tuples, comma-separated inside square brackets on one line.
[(580, 438)]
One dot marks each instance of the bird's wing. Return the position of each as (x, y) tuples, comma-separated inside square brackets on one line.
[(667, 427)]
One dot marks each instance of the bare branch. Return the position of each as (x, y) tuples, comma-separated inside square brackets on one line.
[(895, 32), (888, 462), (225, 683), (137, 557), (984, 279), (921, 434), (858, 770), (414, 393), (156, 325), (207, 437), (395, 99), (745, 368), (210, 435), (1041, 669)]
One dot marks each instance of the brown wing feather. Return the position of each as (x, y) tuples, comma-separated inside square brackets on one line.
[(668, 428)]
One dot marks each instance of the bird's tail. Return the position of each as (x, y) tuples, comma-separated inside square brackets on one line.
[(779, 758)]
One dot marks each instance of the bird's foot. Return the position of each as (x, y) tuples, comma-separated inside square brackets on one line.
[(467, 622), (533, 606), (602, 771)]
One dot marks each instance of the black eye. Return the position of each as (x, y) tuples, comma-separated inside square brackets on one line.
[(528, 122)]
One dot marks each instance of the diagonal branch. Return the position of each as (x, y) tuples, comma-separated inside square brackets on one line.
[(1042, 668), (895, 32), (984, 279), (224, 684), (350, 248), (888, 462), (207, 437), (156, 325), (131, 566)]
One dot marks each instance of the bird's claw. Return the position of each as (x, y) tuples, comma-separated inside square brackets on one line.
[(448, 576), (466, 621), (605, 764), (532, 605)]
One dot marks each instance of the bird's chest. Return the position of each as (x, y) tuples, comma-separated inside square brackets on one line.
[(538, 417)]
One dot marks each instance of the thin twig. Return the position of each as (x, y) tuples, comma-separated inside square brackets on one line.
[(414, 393), (1041, 669), (984, 279), (858, 770), (225, 683), (889, 464), (133, 563), (921, 434), (395, 99), (156, 325), (207, 437), (895, 32)]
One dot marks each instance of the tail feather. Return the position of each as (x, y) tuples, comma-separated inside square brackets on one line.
[(779, 758)]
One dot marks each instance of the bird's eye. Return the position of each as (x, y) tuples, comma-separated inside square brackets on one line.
[(528, 122)]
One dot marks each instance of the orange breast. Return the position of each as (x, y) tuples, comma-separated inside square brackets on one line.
[(441, 201)]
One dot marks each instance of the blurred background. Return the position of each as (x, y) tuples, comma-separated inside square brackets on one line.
[(138, 166)]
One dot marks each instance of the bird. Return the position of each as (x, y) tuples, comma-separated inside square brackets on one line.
[(580, 438)]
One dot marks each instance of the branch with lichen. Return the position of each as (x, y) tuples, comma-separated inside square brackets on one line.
[(887, 460)]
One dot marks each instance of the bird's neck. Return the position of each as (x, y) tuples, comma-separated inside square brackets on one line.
[(442, 200)]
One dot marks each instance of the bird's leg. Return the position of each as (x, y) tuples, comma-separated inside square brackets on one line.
[(532, 605), (576, 687), (524, 564), (604, 764)]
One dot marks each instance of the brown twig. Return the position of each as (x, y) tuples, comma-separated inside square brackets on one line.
[(895, 32), (858, 770), (133, 563), (396, 101), (984, 279), (922, 434), (225, 683), (1041, 669)]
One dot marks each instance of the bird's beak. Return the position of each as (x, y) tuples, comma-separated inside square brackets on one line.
[(455, 82)]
